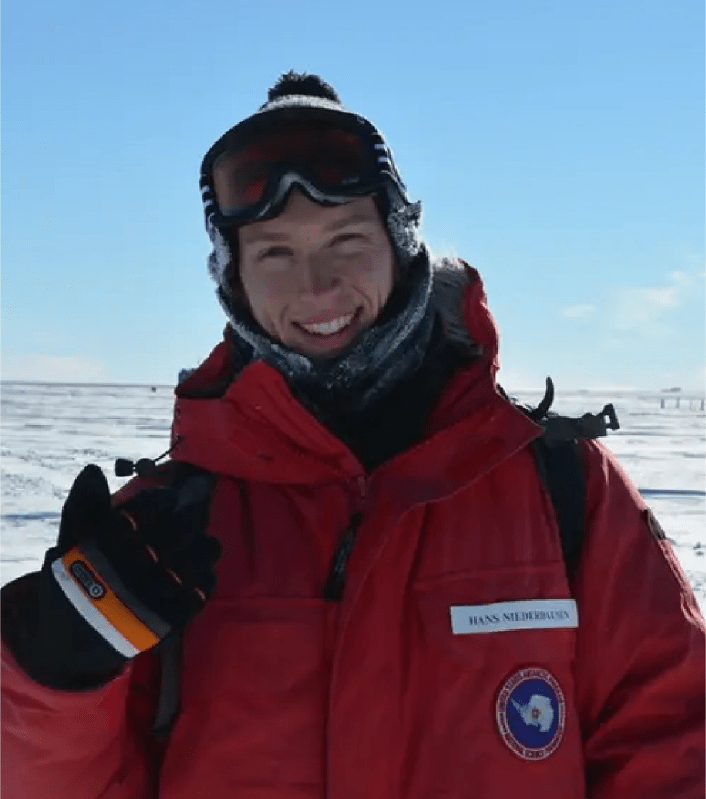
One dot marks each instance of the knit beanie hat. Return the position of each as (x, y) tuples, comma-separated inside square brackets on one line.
[(401, 216)]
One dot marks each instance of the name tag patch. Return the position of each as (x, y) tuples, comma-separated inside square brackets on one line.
[(526, 614)]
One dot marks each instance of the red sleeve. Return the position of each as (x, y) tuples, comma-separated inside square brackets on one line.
[(77, 744), (71, 745), (640, 650)]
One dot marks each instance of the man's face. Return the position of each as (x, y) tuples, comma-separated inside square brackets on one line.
[(316, 276)]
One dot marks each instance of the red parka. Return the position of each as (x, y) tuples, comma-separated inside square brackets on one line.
[(449, 667)]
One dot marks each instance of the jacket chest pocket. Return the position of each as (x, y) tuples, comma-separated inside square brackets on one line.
[(493, 663), (509, 615)]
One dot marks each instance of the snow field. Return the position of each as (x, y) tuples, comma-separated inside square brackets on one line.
[(50, 431)]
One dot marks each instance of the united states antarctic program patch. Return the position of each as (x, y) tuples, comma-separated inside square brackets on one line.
[(531, 713)]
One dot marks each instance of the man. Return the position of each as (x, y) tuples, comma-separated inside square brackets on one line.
[(377, 604)]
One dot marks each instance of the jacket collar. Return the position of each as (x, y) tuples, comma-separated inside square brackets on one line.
[(245, 422)]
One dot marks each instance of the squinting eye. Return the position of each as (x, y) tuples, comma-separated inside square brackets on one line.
[(274, 252), (349, 238)]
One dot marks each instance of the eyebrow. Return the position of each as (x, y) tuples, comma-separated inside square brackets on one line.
[(339, 224), (352, 219), (256, 238)]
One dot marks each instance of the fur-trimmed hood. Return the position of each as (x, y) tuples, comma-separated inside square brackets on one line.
[(451, 278)]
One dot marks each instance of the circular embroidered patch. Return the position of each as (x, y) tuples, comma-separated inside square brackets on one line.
[(531, 713)]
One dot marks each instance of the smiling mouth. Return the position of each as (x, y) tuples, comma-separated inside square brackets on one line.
[(331, 328)]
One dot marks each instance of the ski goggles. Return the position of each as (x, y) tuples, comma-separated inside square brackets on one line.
[(334, 156)]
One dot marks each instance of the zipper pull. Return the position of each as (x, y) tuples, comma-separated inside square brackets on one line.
[(361, 499), (333, 589)]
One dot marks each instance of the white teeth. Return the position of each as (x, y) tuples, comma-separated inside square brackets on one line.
[(329, 328)]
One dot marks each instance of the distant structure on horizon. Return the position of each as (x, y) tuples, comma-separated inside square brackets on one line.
[(676, 395)]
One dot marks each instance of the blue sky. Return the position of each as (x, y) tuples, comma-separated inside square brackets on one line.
[(557, 146)]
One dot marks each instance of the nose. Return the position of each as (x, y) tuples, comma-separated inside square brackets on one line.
[(318, 277)]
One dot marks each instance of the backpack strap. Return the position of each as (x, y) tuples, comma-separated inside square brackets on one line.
[(189, 485), (557, 455), (561, 471), (170, 653)]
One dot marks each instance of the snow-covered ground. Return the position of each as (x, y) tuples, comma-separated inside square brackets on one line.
[(49, 431)]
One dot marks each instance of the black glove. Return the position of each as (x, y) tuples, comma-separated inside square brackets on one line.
[(120, 580)]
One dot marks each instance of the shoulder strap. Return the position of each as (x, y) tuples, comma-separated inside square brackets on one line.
[(193, 485), (170, 653), (557, 455), (561, 470)]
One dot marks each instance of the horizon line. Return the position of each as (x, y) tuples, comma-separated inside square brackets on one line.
[(684, 393)]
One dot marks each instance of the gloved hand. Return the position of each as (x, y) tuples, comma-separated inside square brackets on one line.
[(120, 580)]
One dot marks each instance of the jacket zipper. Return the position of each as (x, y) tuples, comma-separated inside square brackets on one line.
[(333, 588)]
